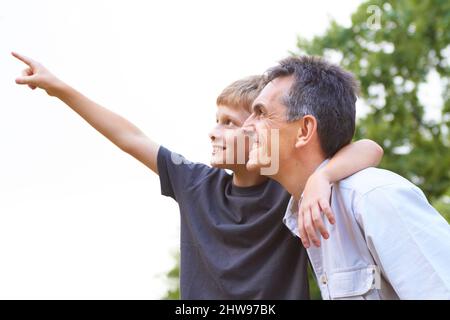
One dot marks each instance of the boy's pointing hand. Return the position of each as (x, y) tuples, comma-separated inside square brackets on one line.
[(36, 75)]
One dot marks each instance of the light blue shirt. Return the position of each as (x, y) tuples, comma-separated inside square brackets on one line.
[(388, 242)]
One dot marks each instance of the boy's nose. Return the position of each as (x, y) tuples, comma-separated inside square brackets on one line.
[(213, 134)]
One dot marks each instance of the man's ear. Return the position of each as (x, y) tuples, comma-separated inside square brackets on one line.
[(307, 128)]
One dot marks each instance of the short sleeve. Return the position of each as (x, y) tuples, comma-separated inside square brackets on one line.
[(176, 174)]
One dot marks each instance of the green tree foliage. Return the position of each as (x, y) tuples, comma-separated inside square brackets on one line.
[(174, 280), (393, 57)]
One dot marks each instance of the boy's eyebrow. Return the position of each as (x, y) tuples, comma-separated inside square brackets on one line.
[(233, 119), (228, 116)]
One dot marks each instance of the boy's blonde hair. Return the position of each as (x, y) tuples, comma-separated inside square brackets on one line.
[(241, 93)]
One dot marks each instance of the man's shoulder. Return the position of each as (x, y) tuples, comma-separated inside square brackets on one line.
[(370, 179)]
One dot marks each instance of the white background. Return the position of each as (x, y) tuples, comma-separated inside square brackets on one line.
[(79, 219)]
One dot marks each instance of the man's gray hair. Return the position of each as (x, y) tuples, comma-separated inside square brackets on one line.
[(323, 90)]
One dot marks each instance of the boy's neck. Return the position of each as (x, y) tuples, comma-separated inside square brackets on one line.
[(244, 178)]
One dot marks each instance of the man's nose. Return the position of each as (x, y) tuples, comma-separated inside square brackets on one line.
[(249, 122)]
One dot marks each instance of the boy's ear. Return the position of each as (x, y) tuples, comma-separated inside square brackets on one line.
[(307, 128)]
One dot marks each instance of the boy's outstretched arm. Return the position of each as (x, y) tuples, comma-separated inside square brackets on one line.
[(316, 195), (117, 129)]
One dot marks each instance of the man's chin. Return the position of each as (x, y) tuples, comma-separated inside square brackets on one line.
[(255, 165), (252, 165)]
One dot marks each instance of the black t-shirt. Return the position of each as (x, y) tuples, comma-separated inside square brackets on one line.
[(233, 242)]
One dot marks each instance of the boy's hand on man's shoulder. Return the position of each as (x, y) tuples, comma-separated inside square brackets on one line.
[(314, 204)]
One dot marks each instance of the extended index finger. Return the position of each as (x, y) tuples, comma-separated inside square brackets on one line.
[(24, 59)]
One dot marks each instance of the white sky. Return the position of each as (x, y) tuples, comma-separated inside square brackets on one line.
[(79, 219)]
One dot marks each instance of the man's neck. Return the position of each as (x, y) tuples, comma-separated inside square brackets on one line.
[(244, 178), (294, 174)]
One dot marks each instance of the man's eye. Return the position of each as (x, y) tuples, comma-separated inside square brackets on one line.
[(259, 112), (229, 123)]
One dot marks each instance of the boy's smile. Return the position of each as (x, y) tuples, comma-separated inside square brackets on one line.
[(229, 144)]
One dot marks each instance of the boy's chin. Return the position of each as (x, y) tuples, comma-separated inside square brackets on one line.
[(221, 165), (218, 165)]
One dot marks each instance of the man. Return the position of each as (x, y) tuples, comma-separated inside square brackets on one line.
[(388, 242), (233, 243)]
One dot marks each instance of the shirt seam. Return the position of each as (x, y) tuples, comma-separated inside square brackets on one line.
[(361, 195)]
